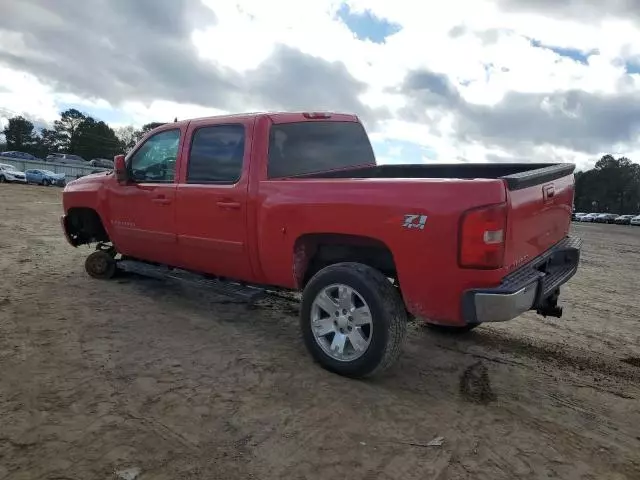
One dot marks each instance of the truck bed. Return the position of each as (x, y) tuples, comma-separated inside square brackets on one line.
[(516, 175)]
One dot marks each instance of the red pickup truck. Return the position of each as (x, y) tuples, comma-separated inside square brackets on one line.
[(296, 201)]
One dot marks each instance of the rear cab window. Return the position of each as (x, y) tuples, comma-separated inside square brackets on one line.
[(318, 146)]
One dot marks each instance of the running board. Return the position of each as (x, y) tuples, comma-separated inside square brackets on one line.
[(223, 287)]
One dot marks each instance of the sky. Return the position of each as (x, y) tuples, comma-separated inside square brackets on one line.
[(455, 81)]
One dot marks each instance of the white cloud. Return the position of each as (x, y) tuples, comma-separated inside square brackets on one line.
[(490, 57)]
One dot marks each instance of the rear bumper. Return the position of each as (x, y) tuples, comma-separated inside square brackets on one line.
[(532, 287)]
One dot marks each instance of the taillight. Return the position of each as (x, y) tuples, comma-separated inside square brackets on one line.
[(482, 237)]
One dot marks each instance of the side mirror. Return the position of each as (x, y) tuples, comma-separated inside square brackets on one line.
[(120, 169)]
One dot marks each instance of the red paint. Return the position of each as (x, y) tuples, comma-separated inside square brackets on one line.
[(249, 231)]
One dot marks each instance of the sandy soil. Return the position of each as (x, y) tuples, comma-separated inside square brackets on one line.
[(97, 377)]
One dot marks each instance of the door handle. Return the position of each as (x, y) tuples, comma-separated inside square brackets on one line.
[(161, 200), (229, 204)]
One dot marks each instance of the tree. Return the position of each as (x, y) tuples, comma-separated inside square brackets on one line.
[(19, 135), (150, 126), (67, 129), (48, 142), (128, 137), (613, 185), (95, 139)]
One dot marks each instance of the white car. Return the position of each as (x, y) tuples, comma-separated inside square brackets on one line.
[(589, 217), (635, 220), (9, 173)]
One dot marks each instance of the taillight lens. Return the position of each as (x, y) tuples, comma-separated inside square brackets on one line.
[(316, 115), (482, 237)]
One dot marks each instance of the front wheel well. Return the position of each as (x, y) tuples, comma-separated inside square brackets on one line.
[(84, 225), (314, 252)]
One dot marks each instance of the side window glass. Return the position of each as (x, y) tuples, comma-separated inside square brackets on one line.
[(155, 161), (216, 154)]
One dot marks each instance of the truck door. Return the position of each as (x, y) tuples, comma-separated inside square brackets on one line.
[(211, 199), (142, 213)]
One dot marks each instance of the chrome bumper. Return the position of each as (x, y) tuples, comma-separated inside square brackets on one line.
[(499, 307), (527, 288)]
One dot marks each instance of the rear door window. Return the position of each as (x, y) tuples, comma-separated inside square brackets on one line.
[(310, 147), (216, 154)]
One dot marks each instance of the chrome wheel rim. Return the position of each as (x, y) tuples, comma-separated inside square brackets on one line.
[(341, 322)]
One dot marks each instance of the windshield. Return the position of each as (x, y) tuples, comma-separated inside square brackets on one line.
[(48, 172), (8, 167)]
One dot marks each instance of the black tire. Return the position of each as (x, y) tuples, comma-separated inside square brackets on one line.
[(2, 179), (451, 329), (45, 183), (388, 317), (101, 265)]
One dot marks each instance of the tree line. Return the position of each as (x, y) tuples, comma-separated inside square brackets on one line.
[(75, 133), (613, 185)]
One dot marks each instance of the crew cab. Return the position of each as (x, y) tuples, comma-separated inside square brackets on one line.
[(296, 201)]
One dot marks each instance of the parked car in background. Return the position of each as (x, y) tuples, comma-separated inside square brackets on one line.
[(635, 221), (101, 162), (576, 216), (9, 173), (589, 217), (66, 158), (606, 218), (19, 155), (624, 219), (45, 177)]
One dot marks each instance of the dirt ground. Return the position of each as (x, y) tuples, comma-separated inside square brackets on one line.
[(99, 377)]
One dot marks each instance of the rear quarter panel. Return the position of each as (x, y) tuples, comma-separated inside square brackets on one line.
[(426, 259)]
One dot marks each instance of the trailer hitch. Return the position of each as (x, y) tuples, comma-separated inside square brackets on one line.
[(549, 306)]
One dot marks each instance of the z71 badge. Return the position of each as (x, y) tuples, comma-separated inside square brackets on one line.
[(414, 221)]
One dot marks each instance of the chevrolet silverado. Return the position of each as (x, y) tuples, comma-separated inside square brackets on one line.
[(296, 201)]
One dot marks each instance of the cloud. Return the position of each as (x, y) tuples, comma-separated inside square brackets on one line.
[(122, 50), (584, 122), (292, 80), (589, 10), (466, 81), (115, 50)]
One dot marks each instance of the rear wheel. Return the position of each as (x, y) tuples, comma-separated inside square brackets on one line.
[(101, 265), (353, 320)]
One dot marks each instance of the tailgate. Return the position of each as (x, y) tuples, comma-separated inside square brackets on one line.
[(539, 215)]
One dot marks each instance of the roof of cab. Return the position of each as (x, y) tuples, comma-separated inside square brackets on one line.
[(276, 117)]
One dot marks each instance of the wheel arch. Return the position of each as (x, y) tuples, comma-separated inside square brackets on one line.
[(315, 251), (84, 225)]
